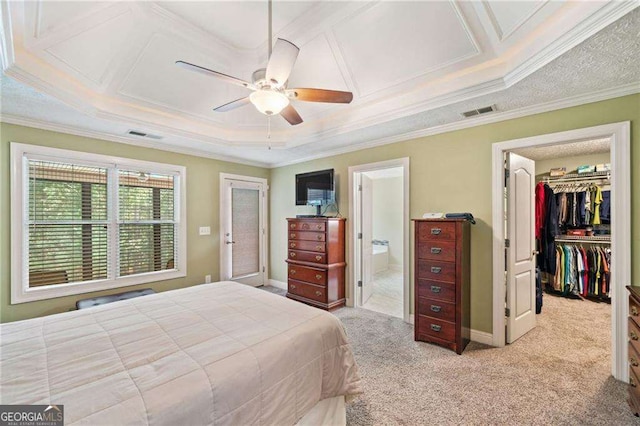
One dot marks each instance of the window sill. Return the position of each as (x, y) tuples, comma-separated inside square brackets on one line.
[(62, 290)]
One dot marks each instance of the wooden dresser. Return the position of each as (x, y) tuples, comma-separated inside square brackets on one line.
[(442, 291), (634, 349), (315, 261)]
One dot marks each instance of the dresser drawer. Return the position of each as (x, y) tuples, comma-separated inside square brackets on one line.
[(306, 225), (307, 236), (437, 309), (634, 357), (634, 310), (310, 291), (310, 275), (307, 256), (308, 246), (634, 384), (634, 335), (437, 290), (437, 250), (439, 271), (437, 328), (436, 231)]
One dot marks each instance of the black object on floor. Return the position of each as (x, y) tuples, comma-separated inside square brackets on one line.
[(95, 301)]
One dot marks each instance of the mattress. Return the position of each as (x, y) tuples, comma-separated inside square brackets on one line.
[(221, 353)]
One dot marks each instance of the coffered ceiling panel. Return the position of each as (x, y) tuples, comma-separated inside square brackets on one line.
[(157, 80), (389, 43), (54, 15), (508, 16), (241, 24), (91, 51)]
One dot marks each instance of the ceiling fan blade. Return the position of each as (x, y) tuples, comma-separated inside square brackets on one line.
[(291, 115), (211, 73), (232, 105), (281, 63), (320, 95)]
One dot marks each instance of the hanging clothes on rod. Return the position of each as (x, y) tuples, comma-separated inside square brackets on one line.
[(582, 272)]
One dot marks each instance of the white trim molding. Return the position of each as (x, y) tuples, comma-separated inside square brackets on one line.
[(277, 284), (354, 214), (20, 290), (481, 337), (620, 136)]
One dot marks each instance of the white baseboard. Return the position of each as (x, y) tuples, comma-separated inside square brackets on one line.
[(277, 284), (395, 267), (412, 319), (482, 337)]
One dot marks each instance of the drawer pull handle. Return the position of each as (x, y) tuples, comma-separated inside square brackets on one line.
[(436, 327), (318, 258), (436, 308), (318, 293), (318, 226), (293, 286), (318, 277), (292, 271), (634, 311), (292, 254), (292, 245), (436, 288), (319, 237), (632, 382), (318, 247), (633, 335), (436, 269), (305, 226), (436, 250), (292, 226), (633, 361), (436, 231), (292, 235)]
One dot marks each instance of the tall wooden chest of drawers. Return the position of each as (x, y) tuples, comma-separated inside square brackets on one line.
[(442, 290), (634, 349), (315, 261)]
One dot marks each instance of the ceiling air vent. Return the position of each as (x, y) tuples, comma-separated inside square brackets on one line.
[(479, 111), (143, 134)]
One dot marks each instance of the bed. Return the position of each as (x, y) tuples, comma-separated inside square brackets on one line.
[(221, 353)]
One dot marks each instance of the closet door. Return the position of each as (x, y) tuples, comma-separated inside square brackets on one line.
[(521, 277)]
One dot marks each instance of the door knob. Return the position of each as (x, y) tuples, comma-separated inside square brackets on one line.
[(230, 242)]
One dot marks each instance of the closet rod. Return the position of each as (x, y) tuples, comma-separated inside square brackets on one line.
[(575, 178), (576, 240)]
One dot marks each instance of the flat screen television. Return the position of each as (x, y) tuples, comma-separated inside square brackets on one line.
[(315, 189)]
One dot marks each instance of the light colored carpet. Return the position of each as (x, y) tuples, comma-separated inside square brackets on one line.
[(558, 374), (387, 293)]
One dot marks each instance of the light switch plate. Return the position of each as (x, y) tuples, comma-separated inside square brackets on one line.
[(205, 230)]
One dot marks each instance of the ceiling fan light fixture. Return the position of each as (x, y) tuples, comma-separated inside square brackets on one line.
[(269, 102)]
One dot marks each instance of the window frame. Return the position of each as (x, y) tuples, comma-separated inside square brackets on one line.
[(20, 156)]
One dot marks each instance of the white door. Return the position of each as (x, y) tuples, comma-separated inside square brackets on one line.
[(367, 238), (242, 231), (521, 277)]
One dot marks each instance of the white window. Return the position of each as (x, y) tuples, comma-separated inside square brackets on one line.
[(85, 222)]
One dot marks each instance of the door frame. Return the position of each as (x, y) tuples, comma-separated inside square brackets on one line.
[(265, 221), (354, 210), (619, 135)]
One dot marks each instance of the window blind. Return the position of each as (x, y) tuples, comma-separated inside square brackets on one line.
[(67, 223), (146, 225)]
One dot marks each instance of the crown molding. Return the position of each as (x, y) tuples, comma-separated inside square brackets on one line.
[(72, 130), (602, 95), (605, 16)]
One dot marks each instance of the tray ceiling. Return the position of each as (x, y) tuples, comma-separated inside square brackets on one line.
[(114, 62)]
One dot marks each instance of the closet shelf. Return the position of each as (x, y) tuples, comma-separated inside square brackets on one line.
[(595, 239), (575, 177)]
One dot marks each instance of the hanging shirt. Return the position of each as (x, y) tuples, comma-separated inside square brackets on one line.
[(605, 207), (541, 208), (597, 200)]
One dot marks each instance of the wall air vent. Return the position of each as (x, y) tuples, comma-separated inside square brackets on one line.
[(479, 111), (143, 134)]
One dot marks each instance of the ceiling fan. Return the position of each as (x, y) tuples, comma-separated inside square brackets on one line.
[(269, 85)]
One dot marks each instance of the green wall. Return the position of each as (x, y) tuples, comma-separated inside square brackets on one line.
[(451, 172), (202, 210)]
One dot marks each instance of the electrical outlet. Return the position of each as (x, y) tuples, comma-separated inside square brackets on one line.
[(205, 230), (207, 279)]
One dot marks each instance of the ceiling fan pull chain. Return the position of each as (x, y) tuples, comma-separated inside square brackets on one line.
[(269, 130)]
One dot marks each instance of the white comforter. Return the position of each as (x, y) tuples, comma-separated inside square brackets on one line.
[(220, 353)]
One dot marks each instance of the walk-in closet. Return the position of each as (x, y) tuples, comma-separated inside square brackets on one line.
[(572, 200)]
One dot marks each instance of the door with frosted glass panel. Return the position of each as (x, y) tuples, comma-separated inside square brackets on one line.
[(242, 237)]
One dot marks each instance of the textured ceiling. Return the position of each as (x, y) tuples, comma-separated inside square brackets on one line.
[(609, 59), (597, 146)]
